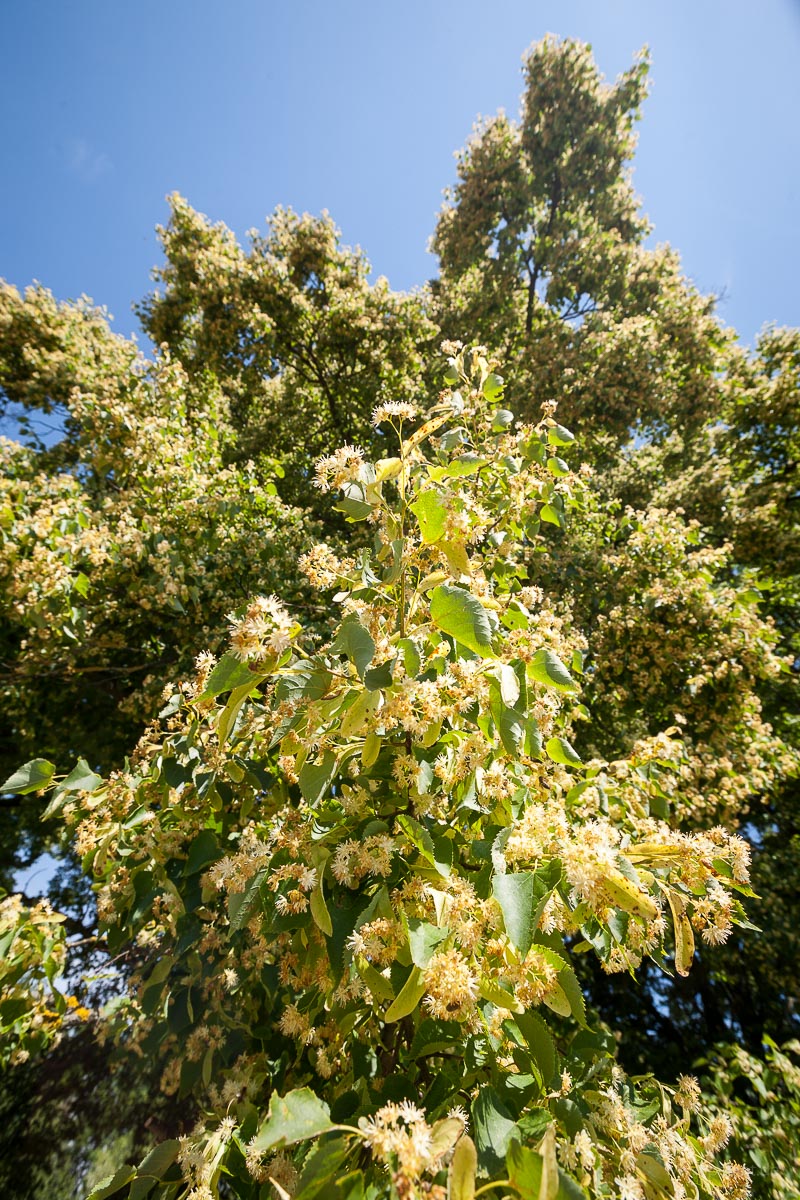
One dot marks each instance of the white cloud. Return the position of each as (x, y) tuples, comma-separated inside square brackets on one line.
[(86, 162)]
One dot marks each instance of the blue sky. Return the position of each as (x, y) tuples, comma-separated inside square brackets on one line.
[(357, 106)]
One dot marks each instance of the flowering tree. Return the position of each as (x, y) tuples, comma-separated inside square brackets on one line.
[(352, 873), (664, 578)]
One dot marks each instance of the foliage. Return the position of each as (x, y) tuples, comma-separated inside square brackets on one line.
[(68, 1118), (167, 493), (759, 1098), (126, 543), (693, 443), (32, 954), (356, 874), (292, 330), (540, 249)]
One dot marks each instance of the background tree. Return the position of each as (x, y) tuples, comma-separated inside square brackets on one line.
[(685, 582), (293, 332)]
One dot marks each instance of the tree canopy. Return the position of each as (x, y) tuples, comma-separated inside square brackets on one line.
[(429, 661)]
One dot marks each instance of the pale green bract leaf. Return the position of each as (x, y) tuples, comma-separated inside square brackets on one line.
[(319, 909), (464, 1165), (408, 998)]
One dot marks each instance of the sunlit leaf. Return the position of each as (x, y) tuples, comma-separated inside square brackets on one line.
[(457, 612)]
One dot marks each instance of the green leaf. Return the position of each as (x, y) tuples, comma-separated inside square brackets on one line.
[(546, 667), (557, 467), (80, 779), (515, 895), (540, 1043), (411, 657), (354, 510), (494, 1128), (408, 998), (80, 584), (533, 738), (309, 680), (112, 1184), (34, 776), (423, 938), (458, 613), (568, 1189), (315, 778), (572, 990), (321, 1166), (557, 435), (560, 751), (355, 641), (465, 464), (509, 723), (159, 1159), (430, 511), (443, 854), (159, 973), (553, 516), (296, 1117), (229, 673), (493, 386), (463, 1167), (380, 677), (203, 850)]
